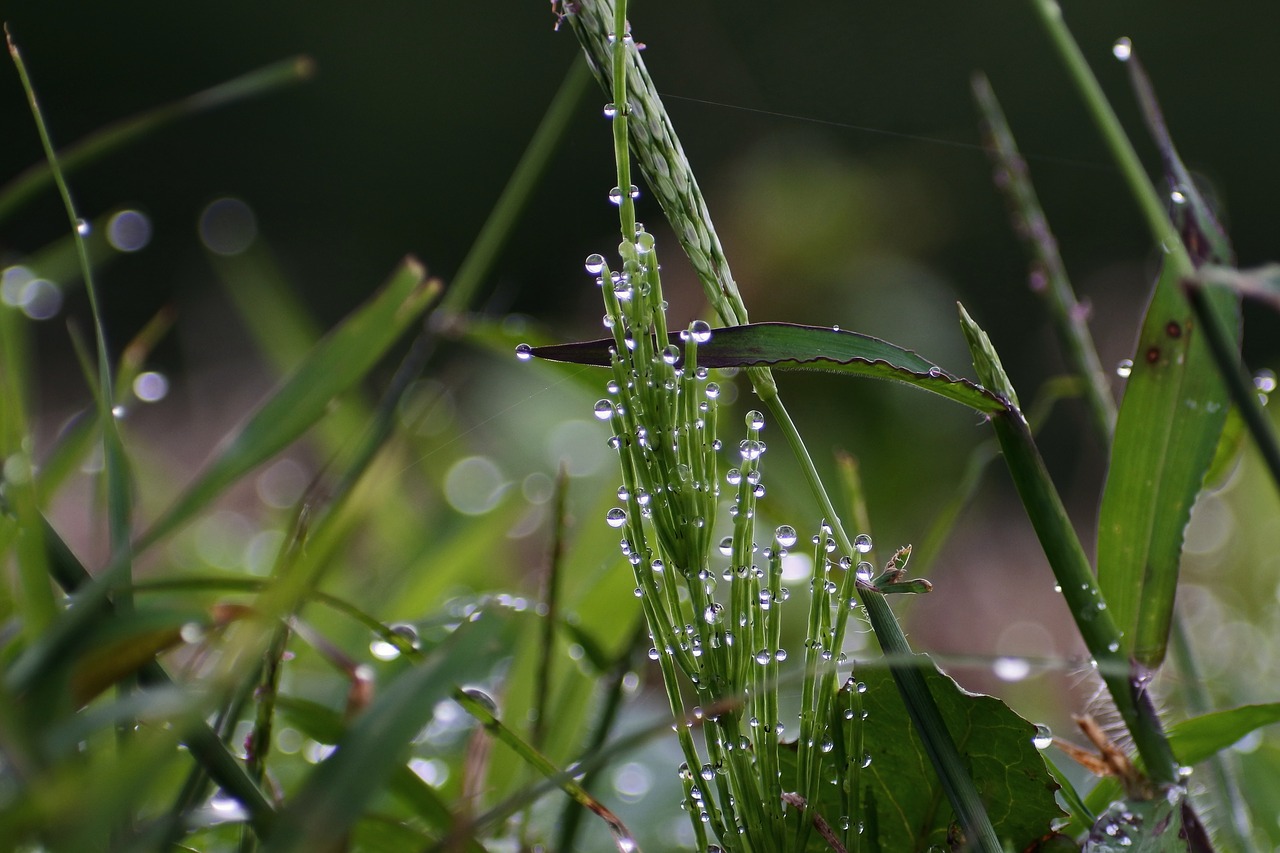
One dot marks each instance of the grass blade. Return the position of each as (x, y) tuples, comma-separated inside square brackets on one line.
[(1070, 566), (786, 345), (337, 792), (337, 363), (1172, 414), (26, 186)]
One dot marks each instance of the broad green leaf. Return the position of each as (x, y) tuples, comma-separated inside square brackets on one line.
[(902, 804), (1173, 411), (337, 363), (786, 345), (1196, 739), (340, 788)]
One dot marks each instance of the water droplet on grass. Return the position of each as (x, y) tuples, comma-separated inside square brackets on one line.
[(524, 352), (786, 535), (862, 543), (700, 331), (1122, 49), (616, 517), (1124, 368), (594, 263), (1043, 737)]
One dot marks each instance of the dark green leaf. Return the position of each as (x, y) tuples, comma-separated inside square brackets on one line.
[(785, 345), (903, 807)]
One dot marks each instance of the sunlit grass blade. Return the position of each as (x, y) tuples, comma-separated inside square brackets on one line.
[(337, 792), (1201, 737), (786, 345), (22, 189), (338, 362)]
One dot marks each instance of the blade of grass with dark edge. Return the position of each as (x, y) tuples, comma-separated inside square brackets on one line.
[(336, 794), (786, 345), (339, 361), (100, 143), (1172, 414)]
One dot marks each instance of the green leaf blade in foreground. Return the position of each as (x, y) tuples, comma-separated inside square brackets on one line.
[(1173, 411), (789, 346), (337, 363), (336, 794)]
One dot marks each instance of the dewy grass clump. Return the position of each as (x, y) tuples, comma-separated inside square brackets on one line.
[(715, 625)]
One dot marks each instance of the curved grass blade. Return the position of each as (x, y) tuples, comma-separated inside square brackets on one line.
[(1201, 737), (30, 183), (335, 795), (338, 362), (480, 709), (787, 345), (1174, 409)]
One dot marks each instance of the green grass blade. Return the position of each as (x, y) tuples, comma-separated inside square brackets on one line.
[(338, 362), (1172, 414), (786, 345), (336, 794), (565, 781), (1070, 566), (1201, 737), (26, 186)]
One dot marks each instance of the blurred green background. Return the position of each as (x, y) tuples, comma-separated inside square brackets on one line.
[(838, 147)]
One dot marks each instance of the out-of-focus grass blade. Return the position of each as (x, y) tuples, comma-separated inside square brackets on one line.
[(337, 792), (338, 362), (34, 180), (1069, 319), (1173, 411), (325, 725), (1200, 737), (480, 709), (786, 345)]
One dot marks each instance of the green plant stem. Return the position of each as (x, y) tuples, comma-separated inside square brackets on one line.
[(544, 143), (114, 463), (924, 712)]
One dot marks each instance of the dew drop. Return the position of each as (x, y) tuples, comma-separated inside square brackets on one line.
[(865, 571), (670, 354), (1122, 49), (755, 420), (786, 535), (1177, 197), (524, 352), (1010, 668), (83, 228), (726, 546), (604, 411), (763, 657), (1124, 368), (610, 110), (713, 390), (700, 331), (1043, 737), (615, 196), (862, 543), (733, 476), (616, 517), (594, 264)]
